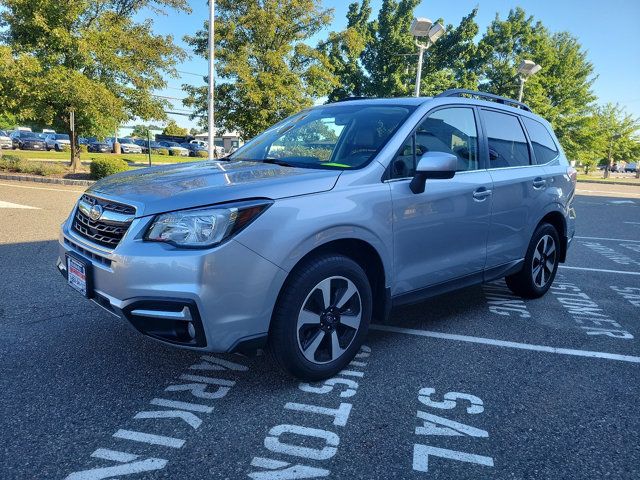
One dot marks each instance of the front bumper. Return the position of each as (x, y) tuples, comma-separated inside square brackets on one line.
[(229, 291)]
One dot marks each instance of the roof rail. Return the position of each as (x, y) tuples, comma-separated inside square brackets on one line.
[(459, 92), (348, 99)]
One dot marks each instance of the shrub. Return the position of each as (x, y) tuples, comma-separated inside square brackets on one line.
[(15, 164), (202, 154), (84, 148), (163, 151), (10, 162), (104, 167)]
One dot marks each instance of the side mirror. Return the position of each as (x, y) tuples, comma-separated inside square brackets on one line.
[(437, 165)]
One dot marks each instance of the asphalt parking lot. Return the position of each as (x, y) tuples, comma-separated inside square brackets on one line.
[(477, 384)]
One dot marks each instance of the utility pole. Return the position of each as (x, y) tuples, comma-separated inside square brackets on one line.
[(72, 127), (149, 145), (421, 49), (210, 95)]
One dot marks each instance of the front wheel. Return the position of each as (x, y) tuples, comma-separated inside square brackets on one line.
[(321, 317), (540, 264)]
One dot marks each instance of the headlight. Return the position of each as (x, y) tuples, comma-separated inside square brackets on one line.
[(204, 227)]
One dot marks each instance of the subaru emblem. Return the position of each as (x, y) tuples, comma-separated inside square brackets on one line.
[(95, 213)]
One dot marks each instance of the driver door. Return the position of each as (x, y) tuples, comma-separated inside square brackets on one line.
[(440, 235)]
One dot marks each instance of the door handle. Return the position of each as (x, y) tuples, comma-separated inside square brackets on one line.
[(482, 193), (539, 183)]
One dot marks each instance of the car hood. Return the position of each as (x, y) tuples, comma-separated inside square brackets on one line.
[(156, 190), (64, 141)]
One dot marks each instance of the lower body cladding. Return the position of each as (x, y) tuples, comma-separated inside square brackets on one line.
[(217, 300)]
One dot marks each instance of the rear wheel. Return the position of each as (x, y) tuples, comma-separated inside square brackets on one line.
[(540, 264), (321, 318)]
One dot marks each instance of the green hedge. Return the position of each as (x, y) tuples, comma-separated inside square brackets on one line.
[(84, 148), (104, 167), (13, 163), (202, 154)]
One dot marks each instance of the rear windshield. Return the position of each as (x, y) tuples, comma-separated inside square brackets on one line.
[(62, 136), (335, 136)]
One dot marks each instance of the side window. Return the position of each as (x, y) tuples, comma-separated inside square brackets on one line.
[(450, 130), (544, 148), (507, 144)]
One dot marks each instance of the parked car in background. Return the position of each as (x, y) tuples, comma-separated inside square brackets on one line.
[(25, 140), (144, 144), (5, 140), (419, 197), (84, 141), (48, 131), (194, 148), (631, 168), (175, 149), (127, 145), (57, 141), (99, 147)]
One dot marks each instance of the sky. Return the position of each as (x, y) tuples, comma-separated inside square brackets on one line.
[(607, 30)]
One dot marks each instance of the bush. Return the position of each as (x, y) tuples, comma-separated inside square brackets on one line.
[(104, 167), (10, 162), (163, 151), (84, 148), (202, 154), (15, 164)]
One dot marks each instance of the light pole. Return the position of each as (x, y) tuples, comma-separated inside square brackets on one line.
[(210, 94), (525, 70), (423, 27)]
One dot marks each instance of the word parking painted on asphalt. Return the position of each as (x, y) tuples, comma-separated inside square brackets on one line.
[(611, 254), (286, 466), (586, 312), (502, 301), (436, 425), (127, 463)]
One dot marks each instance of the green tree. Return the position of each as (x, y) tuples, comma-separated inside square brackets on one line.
[(91, 56), (386, 56), (561, 92), (142, 131), (172, 128), (266, 68), (344, 51), (618, 132), (7, 121)]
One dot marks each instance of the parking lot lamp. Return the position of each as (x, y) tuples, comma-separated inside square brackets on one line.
[(525, 70), (423, 27), (211, 115)]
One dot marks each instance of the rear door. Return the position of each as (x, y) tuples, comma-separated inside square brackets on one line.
[(519, 186)]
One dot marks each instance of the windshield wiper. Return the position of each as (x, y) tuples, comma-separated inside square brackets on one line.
[(277, 161)]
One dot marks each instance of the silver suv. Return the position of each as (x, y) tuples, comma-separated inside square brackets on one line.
[(325, 221)]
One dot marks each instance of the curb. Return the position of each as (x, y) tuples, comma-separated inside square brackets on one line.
[(55, 181), (600, 182)]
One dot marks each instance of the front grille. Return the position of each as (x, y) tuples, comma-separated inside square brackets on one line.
[(105, 233)]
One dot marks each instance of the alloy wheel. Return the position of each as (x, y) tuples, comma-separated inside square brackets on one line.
[(544, 261), (329, 319)]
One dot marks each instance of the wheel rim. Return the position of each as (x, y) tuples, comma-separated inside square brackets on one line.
[(329, 320), (544, 261)]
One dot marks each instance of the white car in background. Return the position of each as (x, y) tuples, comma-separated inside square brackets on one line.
[(57, 141), (175, 149), (5, 140), (127, 145)]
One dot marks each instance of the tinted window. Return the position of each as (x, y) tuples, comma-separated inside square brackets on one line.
[(449, 130), (61, 137), (544, 148), (507, 144)]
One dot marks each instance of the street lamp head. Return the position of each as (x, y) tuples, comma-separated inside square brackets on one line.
[(420, 27), (528, 68), (435, 32)]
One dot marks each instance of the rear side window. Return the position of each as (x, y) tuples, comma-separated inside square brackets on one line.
[(507, 144), (544, 147)]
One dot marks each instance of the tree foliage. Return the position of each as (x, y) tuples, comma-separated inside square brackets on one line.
[(88, 55), (265, 67), (173, 129), (143, 131)]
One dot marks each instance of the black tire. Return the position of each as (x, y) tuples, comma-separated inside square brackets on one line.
[(285, 335), (531, 281)]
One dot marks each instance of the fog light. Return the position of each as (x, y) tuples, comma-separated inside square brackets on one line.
[(191, 330)]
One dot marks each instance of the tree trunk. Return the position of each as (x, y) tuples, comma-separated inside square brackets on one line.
[(75, 152)]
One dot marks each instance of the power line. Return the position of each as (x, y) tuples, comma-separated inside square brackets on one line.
[(191, 73)]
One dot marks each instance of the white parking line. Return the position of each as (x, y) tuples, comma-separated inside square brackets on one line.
[(607, 239), (4, 204), (42, 188), (609, 193), (601, 270), (503, 343)]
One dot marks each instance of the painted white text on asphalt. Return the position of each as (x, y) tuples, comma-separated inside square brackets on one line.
[(631, 294), (502, 301), (293, 443), (586, 313), (201, 385), (432, 425)]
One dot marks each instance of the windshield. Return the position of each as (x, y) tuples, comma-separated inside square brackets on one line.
[(335, 136), (62, 137), (28, 135)]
